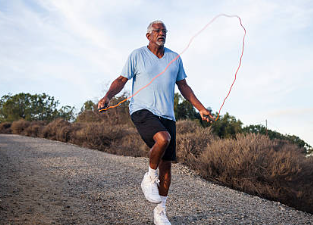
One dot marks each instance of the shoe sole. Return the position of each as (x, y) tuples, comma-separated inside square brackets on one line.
[(155, 222), (149, 199)]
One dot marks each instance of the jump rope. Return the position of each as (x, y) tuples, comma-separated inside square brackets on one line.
[(208, 24)]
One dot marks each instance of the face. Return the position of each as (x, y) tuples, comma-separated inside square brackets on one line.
[(158, 35)]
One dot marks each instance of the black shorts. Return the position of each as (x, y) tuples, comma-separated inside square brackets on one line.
[(149, 124)]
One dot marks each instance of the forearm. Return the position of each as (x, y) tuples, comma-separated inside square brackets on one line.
[(116, 86), (189, 95)]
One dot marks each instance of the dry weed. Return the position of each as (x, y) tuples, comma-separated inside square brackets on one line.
[(34, 129), (89, 116), (186, 126), (19, 126), (5, 128), (256, 165), (97, 135), (130, 144), (192, 142), (56, 130)]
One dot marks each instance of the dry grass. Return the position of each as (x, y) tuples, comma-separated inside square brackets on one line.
[(18, 127), (276, 170), (5, 128), (35, 128), (130, 145), (256, 165), (96, 135), (251, 163), (191, 140), (57, 130), (89, 116)]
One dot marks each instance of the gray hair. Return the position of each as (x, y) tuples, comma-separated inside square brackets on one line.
[(150, 28)]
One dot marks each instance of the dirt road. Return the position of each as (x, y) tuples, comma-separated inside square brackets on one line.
[(48, 182)]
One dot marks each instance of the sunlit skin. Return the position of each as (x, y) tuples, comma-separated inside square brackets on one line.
[(157, 39)]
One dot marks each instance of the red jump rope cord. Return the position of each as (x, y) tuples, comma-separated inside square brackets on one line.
[(209, 23)]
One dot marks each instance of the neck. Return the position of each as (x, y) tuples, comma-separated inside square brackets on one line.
[(157, 50)]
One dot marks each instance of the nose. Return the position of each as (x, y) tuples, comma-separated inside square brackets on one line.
[(163, 32)]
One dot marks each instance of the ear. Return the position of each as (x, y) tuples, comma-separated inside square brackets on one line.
[(148, 36)]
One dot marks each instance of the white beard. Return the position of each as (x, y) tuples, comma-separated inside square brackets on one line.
[(160, 43)]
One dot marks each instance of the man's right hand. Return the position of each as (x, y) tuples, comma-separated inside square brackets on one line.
[(114, 89), (103, 103)]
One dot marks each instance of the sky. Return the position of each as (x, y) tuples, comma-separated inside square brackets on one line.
[(74, 49)]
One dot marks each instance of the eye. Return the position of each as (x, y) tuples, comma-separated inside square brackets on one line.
[(158, 30)]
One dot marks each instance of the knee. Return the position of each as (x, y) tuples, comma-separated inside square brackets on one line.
[(163, 139)]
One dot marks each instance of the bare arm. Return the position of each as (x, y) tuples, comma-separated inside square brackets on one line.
[(188, 94), (116, 86)]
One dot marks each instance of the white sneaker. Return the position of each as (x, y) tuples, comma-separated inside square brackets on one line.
[(160, 217), (149, 186)]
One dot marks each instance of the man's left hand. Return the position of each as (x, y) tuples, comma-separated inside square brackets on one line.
[(207, 116)]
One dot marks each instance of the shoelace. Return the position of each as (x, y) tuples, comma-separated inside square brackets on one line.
[(162, 213), (155, 180)]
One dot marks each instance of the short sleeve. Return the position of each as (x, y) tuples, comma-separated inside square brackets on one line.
[(181, 71), (129, 68)]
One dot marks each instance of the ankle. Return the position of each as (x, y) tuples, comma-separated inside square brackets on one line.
[(152, 172), (163, 202)]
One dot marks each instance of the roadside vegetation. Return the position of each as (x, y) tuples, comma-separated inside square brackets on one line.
[(272, 166)]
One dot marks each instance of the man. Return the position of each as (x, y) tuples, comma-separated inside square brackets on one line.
[(152, 109)]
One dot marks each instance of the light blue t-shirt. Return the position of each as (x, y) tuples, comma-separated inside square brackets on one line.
[(142, 65)]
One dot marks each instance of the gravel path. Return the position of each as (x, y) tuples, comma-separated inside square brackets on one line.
[(48, 182)]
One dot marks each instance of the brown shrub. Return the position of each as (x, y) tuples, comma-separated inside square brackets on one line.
[(112, 117), (130, 144), (57, 130), (88, 116), (256, 165), (186, 126), (34, 129), (19, 126), (63, 133), (97, 135), (192, 142), (5, 128), (116, 116)]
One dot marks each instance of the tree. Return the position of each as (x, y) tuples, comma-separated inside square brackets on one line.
[(260, 129), (32, 107), (14, 107), (88, 105), (183, 109), (226, 126), (177, 99), (88, 113), (67, 113)]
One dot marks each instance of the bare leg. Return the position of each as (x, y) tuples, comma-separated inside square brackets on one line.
[(162, 140), (164, 177)]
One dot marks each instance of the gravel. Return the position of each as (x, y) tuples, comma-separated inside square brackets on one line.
[(49, 182)]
